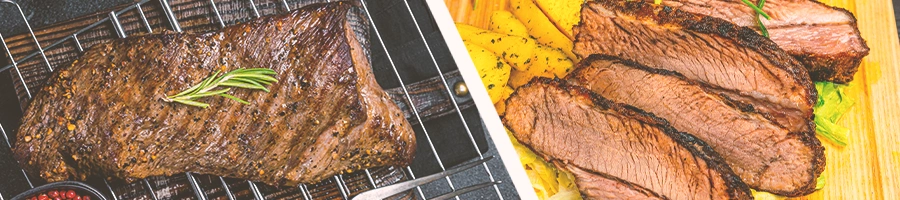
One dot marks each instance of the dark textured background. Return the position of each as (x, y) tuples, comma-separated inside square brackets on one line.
[(896, 13)]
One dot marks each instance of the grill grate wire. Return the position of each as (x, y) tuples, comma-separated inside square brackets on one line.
[(455, 104), (174, 24)]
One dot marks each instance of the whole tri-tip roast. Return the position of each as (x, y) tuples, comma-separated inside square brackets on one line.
[(731, 60), (824, 38), (326, 114), (616, 150), (761, 152)]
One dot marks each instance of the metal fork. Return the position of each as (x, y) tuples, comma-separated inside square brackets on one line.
[(391, 190)]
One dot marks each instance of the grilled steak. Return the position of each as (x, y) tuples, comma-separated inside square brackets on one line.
[(763, 154), (569, 124), (326, 114), (731, 60), (824, 38)]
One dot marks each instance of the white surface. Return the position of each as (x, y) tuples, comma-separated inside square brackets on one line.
[(482, 101)]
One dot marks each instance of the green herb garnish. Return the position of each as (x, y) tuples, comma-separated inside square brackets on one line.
[(762, 28), (255, 78), (820, 182), (832, 104), (759, 12)]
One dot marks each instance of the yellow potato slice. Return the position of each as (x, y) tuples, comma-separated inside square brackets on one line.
[(540, 27), (517, 51), (547, 62), (565, 14), (504, 22), (493, 71)]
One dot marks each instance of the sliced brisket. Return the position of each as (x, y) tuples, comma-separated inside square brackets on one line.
[(570, 125), (601, 186), (766, 156), (824, 38), (731, 60), (326, 114)]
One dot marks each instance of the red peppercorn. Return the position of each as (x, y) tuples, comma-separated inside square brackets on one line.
[(77, 198), (71, 194), (57, 198), (86, 197), (43, 197), (33, 198), (53, 194)]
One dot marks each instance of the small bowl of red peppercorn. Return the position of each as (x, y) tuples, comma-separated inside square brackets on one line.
[(65, 190)]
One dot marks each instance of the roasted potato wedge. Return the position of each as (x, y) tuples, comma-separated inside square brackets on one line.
[(494, 72), (565, 14), (504, 22), (517, 51), (518, 78), (540, 27), (547, 62), (551, 62)]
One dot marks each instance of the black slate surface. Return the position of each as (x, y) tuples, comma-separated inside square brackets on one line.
[(897, 13)]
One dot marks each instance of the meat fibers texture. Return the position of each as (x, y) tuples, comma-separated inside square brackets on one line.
[(615, 149), (759, 151)]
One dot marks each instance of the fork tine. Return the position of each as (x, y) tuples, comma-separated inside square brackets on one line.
[(465, 190), (391, 190)]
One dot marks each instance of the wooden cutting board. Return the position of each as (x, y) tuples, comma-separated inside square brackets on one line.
[(867, 168)]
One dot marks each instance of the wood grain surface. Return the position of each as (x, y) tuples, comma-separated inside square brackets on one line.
[(867, 168)]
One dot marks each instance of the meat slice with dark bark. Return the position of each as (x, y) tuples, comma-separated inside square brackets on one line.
[(569, 124), (601, 186), (326, 114), (766, 156), (824, 38), (729, 59)]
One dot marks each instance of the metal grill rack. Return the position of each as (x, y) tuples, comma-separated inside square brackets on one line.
[(31, 67)]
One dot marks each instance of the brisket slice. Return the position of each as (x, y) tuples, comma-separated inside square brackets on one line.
[(824, 38), (602, 186), (571, 125), (766, 156), (326, 114), (729, 59)]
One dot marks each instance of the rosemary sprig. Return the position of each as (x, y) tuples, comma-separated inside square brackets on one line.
[(255, 78), (759, 12), (758, 9)]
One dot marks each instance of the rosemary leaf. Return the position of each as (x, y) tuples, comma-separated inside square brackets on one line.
[(244, 80), (757, 9), (255, 78), (266, 71), (251, 80), (191, 102), (206, 94), (235, 98), (244, 85), (762, 28), (198, 86)]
